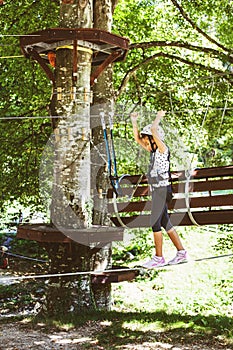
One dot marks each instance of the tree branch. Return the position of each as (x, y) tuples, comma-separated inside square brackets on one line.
[(208, 50), (114, 3), (199, 30), (166, 55)]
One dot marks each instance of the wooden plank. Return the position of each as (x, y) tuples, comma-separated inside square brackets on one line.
[(52, 35), (197, 186), (213, 172), (213, 185), (212, 201), (203, 186), (47, 233), (181, 174), (203, 218), (181, 219), (130, 191), (202, 173), (133, 221), (129, 207), (203, 202), (177, 203)]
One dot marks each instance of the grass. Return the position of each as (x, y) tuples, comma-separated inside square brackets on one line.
[(197, 295)]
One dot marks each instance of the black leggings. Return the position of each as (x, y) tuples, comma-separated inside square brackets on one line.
[(159, 215)]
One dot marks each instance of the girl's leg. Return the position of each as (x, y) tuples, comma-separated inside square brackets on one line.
[(181, 255), (158, 241), (158, 206), (175, 239)]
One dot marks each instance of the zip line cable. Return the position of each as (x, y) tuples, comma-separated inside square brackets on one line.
[(17, 35), (8, 57), (224, 109), (99, 272), (159, 92), (25, 257)]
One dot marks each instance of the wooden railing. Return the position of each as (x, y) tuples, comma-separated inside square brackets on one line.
[(204, 197)]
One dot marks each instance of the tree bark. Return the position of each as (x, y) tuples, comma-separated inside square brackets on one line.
[(75, 183), (102, 102)]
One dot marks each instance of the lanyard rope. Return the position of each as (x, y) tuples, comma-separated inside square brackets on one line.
[(187, 197), (129, 197), (188, 173)]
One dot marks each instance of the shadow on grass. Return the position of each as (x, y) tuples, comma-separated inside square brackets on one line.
[(124, 328)]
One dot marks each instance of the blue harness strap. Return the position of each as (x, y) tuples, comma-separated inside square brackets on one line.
[(113, 178)]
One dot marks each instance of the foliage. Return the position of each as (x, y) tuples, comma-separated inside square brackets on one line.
[(19, 297), (179, 59), (225, 239), (170, 70), (173, 66), (139, 244), (25, 94)]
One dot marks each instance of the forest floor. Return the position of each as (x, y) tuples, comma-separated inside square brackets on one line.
[(181, 308), (20, 336)]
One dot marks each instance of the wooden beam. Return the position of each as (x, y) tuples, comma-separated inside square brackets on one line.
[(181, 219), (47, 233), (110, 59)]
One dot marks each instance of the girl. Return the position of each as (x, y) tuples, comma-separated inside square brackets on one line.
[(151, 139)]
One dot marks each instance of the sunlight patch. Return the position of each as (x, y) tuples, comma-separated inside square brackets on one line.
[(106, 323), (144, 327), (42, 342), (150, 345), (58, 339)]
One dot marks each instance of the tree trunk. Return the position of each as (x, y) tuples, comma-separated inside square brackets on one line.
[(102, 102), (75, 183)]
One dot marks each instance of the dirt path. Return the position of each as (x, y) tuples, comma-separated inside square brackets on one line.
[(19, 336)]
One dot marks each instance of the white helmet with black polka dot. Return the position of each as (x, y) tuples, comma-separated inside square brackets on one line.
[(147, 131)]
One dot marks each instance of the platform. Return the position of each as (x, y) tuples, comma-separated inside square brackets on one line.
[(101, 42), (48, 233), (105, 47)]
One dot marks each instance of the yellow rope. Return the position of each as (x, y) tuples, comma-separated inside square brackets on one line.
[(11, 56), (79, 48)]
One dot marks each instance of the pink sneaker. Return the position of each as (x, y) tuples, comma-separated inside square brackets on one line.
[(156, 261), (181, 257)]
